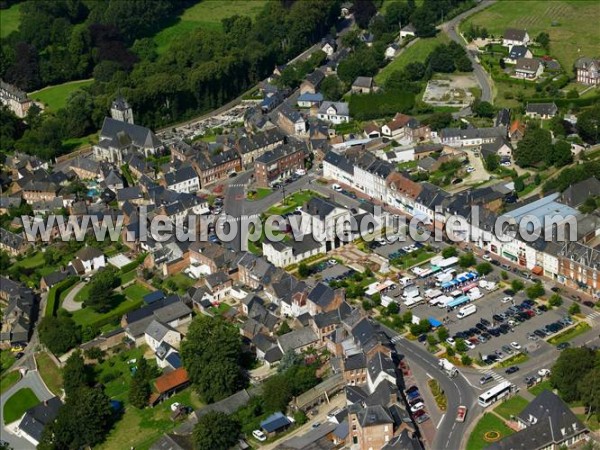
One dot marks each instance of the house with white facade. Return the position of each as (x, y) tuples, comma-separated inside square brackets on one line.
[(157, 333), (283, 254), (334, 112), (88, 259), (513, 36), (184, 179)]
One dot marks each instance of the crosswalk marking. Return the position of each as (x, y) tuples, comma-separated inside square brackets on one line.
[(396, 339), (496, 376), (594, 315)]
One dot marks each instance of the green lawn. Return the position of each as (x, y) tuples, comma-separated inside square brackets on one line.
[(7, 358), (291, 202), (18, 403), (519, 358), (206, 15), (571, 37), (148, 423), (416, 52), (182, 282), (55, 97), (8, 380), (511, 407), (539, 388), (136, 292), (89, 317), (9, 20), (50, 373), (260, 193), (31, 262), (566, 336), (489, 422)]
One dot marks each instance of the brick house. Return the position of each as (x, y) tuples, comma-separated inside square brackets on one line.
[(588, 71), (279, 163)]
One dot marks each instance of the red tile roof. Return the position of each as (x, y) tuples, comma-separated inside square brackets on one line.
[(171, 380)]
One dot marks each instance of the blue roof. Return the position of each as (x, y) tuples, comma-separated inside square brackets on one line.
[(434, 322), (463, 279), (274, 422), (175, 360), (153, 297), (447, 284), (309, 97)]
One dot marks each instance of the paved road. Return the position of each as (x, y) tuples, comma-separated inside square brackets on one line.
[(450, 28), (69, 302), (458, 391), (33, 381)]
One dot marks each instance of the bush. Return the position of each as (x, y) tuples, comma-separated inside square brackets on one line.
[(300, 417), (504, 275), (449, 252), (466, 360), (535, 290), (517, 285), (555, 301), (574, 308)]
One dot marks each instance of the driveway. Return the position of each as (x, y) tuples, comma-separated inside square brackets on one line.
[(33, 381), (69, 302)]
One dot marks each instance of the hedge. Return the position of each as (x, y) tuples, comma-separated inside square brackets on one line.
[(132, 265), (55, 292), (566, 102)]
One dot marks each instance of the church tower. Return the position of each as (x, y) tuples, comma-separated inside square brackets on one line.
[(121, 110)]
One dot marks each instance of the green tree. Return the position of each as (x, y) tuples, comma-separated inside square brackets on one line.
[(483, 109), (215, 430), (284, 328), (431, 340), (467, 260), (288, 360), (332, 88), (438, 121), (460, 346), (407, 317), (466, 360), (277, 393), (83, 421), (492, 162), (484, 268), (544, 40), (519, 184), (588, 125), (214, 370), (555, 300), (504, 275), (303, 270), (443, 334), (589, 390), (533, 148), (101, 289), (517, 285), (139, 390), (536, 290), (75, 374), (574, 308), (393, 308), (572, 365), (449, 252), (561, 154), (59, 334), (300, 417)]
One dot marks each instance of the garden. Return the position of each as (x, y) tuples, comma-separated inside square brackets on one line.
[(488, 430), (18, 403)]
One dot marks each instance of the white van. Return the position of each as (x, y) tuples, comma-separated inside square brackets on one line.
[(466, 311)]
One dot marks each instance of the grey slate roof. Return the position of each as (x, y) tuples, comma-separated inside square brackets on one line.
[(341, 108), (542, 108), (514, 34), (183, 174), (578, 193), (296, 339), (121, 134), (157, 330), (36, 418)]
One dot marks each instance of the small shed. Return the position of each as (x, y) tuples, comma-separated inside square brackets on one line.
[(275, 423)]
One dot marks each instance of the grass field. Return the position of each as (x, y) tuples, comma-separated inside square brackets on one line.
[(55, 97), (539, 388), (18, 403), (571, 37), (511, 407), (417, 52), (8, 380), (566, 336), (206, 14), (489, 422), (9, 20), (50, 373)]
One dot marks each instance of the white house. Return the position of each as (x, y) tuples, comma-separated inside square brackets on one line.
[(513, 36), (337, 167), (408, 30), (184, 180), (283, 254), (517, 52), (528, 68), (391, 50), (379, 368), (334, 112), (88, 259), (157, 333)]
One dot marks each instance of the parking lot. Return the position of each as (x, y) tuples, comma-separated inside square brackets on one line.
[(489, 305)]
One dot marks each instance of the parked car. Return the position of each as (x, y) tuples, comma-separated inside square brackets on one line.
[(507, 299), (515, 345), (259, 435), (563, 346), (417, 407), (511, 369), (487, 257), (544, 372)]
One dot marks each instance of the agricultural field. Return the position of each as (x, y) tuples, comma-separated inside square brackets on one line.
[(55, 97), (206, 15), (9, 20), (566, 21), (417, 52)]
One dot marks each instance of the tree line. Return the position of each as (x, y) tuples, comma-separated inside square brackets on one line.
[(111, 41)]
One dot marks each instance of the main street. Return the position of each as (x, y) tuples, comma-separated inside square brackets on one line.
[(449, 434)]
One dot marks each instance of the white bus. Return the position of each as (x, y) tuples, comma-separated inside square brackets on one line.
[(496, 393)]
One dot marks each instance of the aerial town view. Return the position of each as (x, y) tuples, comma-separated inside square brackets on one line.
[(300, 224)]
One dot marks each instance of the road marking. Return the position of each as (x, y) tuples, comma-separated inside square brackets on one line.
[(441, 419), (428, 375), (593, 316)]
